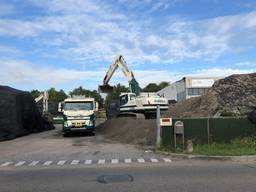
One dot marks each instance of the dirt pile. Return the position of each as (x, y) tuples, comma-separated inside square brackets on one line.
[(231, 96), (129, 130), (19, 114)]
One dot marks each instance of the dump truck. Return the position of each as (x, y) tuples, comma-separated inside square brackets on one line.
[(78, 114)]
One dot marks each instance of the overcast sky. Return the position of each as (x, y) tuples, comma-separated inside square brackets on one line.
[(68, 43)]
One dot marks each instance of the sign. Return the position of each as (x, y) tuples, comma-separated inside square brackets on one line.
[(202, 82), (166, 121)]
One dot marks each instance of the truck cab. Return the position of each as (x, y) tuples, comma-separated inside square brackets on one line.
[(78, 114)]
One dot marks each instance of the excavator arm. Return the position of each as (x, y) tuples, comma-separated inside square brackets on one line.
[(43, 96), (119, 62)]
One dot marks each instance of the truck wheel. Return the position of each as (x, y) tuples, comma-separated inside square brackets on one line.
[(92, 133)]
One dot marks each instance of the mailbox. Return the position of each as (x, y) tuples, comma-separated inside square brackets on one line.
[(179, 127), (178, 130)]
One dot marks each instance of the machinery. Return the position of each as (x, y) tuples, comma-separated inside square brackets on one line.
[(43, 96), (135, 101), (78, 114)]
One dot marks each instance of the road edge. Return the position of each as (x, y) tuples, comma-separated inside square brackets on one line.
[(243, 158)]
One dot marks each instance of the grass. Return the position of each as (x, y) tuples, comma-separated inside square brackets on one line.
[(225, 149), (237, 147)]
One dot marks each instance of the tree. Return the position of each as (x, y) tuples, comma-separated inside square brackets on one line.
[(56, 96), (162, 85), (151, 87), (35, 93), (88, 93)]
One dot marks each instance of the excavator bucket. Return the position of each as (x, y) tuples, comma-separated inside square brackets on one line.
[(105, 88)]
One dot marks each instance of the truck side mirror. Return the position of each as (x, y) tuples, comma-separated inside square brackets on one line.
[(60, 107), (96, 106)]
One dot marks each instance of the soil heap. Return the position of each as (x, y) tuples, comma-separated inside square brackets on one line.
[(232, 96), (129, 130)]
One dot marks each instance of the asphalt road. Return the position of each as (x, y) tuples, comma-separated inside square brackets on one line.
[(51, 145), (49, 162), (179, 176)]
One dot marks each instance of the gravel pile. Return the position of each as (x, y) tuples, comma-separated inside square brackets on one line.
[(231, 96)]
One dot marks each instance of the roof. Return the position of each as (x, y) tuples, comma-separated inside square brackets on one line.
[(79, 99)]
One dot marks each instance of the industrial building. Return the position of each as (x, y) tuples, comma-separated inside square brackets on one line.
[(187, 87)]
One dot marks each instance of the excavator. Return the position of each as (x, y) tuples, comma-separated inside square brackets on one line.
[(134, 102), (43, 96)]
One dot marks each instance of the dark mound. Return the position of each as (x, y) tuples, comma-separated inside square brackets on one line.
[(19, 114), (231, 96), (129, 130)]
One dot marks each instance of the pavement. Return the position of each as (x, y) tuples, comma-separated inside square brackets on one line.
[(48, 161), (52, 146), (180, 176)]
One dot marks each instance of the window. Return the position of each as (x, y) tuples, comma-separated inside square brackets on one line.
[(132, 97), (201, 91), (197, 91), (75, 106), (123, 99)]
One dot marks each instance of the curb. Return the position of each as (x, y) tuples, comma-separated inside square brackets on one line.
[(244, 158)]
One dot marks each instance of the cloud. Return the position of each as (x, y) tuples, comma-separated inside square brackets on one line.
[(246, 64), (220, 72), (27, 74), (96, 31), (24, 72), (8, 50)]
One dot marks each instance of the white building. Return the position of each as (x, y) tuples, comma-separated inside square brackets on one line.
[(187, 87)]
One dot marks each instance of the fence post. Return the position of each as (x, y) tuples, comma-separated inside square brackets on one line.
[(208, 131)]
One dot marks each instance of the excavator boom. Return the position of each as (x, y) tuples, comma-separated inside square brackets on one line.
[(119, 62)]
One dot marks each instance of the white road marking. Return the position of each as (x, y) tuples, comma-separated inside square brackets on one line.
[(115, 161), (167, 160), (101, 161), (74, 162), (88, 162), (46, 163), (62, 162), (20, 163), (141, 160), (33, 163), (153, 160), (6, 164), (127, 160)]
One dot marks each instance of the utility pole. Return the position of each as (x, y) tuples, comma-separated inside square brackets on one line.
[(158, 131)]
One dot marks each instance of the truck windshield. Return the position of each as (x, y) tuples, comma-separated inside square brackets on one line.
[(78, 106)]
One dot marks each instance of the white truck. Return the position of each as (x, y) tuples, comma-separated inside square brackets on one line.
[(78, 114)]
